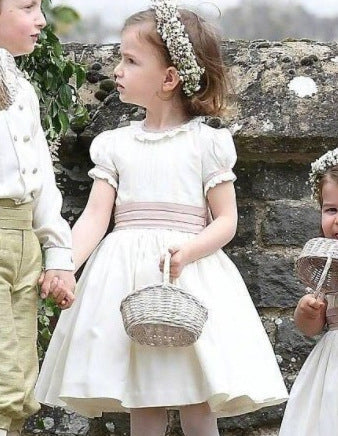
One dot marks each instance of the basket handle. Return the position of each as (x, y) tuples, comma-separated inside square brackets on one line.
[(166, 268), (318, 292)]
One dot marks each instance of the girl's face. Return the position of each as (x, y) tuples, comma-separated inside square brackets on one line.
[(141, 73), (330, 209), (21, 22)]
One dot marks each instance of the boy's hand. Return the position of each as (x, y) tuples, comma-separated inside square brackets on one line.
[(60, 285), (310, 307)]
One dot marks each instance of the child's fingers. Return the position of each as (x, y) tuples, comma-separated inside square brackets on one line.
[(45, 288), (161, 264), (59, 291), (316, 304), (174, 249), (67, 301), (54, 284), (41, 278)]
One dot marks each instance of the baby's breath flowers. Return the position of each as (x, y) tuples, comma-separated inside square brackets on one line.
[(319, 168), (173, 34)]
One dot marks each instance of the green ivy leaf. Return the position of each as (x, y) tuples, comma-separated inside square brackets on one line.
[(64, 121), (65, 94)]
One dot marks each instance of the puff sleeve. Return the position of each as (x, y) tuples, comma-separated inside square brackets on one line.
[(102, 152), (219, 159)]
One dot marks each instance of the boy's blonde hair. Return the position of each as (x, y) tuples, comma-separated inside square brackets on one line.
[(213, 96)]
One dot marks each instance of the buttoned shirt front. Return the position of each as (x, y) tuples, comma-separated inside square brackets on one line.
[(26, 175)]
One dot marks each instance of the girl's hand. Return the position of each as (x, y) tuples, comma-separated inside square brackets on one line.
[(309, 307), (310, 315), (178, 261)]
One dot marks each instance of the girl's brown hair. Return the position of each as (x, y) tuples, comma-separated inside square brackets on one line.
[(213, 98), (331, 174)]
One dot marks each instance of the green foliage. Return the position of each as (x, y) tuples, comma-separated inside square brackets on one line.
[(56, 78), (48, 313)]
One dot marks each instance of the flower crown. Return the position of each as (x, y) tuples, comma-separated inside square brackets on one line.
[(319, 168), (173, 34)]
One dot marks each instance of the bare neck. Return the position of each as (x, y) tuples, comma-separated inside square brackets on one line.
[(166, 115)]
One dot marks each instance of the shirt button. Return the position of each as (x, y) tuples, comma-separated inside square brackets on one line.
[(35, 170), (26, 138), (15, 138), (21, 107), (23, 171)]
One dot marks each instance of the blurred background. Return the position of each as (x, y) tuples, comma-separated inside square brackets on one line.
[(100, 21)]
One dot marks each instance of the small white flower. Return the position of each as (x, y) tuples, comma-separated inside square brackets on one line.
[(319, 168)]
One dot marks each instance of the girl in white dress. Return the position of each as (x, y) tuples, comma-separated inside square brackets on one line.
[(162, 174), (312, 409)]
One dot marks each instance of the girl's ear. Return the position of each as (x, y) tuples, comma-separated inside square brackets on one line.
[(171, 79)]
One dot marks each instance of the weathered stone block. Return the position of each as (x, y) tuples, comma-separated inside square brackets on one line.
[(269, 277), (272, 181), (289, 224), (293, 347), (246, 232)]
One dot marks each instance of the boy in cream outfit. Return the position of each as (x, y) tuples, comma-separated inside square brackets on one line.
[(30, 206)]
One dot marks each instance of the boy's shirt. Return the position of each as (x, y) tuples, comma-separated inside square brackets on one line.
[(26, 174)]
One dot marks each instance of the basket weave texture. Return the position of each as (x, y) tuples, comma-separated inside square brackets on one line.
[(312, 261), (163, 314), (8, 79)]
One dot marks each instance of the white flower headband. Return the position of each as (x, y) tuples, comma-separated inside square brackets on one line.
[(319, 168), (173, 34)]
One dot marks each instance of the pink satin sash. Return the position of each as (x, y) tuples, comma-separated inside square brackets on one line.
[(172, 216)]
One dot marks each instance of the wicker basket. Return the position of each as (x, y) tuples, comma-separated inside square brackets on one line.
[(317, 265), (163, 315), (8, 79)]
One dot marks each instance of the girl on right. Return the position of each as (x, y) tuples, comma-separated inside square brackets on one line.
[(312, 409)]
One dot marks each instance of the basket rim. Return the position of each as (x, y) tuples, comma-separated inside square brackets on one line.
[(173, 287), (308, 251)]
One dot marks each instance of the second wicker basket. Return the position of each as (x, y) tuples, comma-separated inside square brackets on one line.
[(317, 265)]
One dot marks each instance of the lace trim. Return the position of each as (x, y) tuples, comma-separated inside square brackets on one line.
[(219, 177), (145, 135), (102, 173)]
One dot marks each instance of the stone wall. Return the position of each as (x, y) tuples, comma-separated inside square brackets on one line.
[(286, 116)]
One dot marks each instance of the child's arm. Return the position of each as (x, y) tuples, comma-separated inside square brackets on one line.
[(222, 202), (310, 315), (90, 228), (51, 229)]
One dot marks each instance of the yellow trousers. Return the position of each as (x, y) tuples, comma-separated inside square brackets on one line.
[(20, 267)]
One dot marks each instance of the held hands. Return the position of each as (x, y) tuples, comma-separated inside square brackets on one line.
[(310, 315), (179, 259), (60, 285)]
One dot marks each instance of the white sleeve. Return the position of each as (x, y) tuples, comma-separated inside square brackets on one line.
[(51, 229), (219, 159), (102, 155)]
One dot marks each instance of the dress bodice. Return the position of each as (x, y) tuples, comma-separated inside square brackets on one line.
[(175, 166)]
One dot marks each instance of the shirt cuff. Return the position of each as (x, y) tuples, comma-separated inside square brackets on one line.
[(59, 258)]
